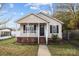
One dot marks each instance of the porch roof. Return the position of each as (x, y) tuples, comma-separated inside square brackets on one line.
[(5, 30), (31, 18)]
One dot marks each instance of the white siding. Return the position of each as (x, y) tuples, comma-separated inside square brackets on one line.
[(53, 22), (31, 19)]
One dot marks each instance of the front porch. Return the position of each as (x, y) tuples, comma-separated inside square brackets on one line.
[(36, 33)]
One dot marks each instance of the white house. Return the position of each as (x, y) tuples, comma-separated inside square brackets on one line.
[(5, 33), (38, 28)]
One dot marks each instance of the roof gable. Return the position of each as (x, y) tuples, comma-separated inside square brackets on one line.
[(43, 15), (32, 18)]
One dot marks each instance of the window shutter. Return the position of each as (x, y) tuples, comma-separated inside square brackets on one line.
[(50, 28), (34, 27), (23, 28), (57, 29)]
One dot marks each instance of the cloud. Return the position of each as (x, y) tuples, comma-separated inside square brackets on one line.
[(45, 3), (3, 11), (22, 13), (11, 5), (27, 4), (14, 13), (33, 6)]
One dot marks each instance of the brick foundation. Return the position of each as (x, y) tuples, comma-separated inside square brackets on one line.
[(42, 40), (31, 40), (27, 40)]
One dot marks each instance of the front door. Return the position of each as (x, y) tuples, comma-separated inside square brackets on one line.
[(42, 30)]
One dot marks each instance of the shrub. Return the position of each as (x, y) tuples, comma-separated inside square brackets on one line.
[(54, 37), (74, 35)]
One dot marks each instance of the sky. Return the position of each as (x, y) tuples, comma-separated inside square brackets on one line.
[(13, 12)]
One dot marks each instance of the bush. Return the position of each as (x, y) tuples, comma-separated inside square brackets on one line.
[(74, 35), (54, 37)]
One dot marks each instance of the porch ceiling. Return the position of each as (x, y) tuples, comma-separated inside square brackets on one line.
[(32, 18)]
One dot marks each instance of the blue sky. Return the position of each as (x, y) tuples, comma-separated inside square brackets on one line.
[(15, 11)]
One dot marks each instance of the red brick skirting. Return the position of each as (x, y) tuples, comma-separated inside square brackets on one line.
[(42, 40), (27, 40), (31, 40)]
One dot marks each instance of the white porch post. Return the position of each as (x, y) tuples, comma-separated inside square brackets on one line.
[(38, 32), (47, 34), (21, 26)]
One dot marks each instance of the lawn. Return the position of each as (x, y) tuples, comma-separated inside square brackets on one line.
[(8, 47), (63, 50)]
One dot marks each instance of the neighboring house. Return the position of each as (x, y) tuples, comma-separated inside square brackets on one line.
[(5, 33), (38, 28)]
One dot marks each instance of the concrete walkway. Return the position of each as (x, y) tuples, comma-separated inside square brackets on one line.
[(43, 51)]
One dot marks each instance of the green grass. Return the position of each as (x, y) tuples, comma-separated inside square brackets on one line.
[(8, 47), (63, 50), (75, 41)]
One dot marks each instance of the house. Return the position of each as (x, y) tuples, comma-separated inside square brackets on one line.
[(5, 33), (38, 28)]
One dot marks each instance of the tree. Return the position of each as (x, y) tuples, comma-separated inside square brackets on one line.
[(2, 6), (68, 17), (77, 15), (64, 17), (73, 21)]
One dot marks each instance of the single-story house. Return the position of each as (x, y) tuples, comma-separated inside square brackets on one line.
[(5, 33), (38, 28)]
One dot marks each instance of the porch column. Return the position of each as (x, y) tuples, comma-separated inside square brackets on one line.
[(47, 34), (38, 32), (21, 27)]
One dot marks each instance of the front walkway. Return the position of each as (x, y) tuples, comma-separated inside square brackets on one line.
[(43, 51)]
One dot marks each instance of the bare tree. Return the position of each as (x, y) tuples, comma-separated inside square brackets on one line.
[(68, 13), (4, 21)]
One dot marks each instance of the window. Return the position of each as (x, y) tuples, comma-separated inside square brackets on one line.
[(27, 28), (54, 29), (30, 28)]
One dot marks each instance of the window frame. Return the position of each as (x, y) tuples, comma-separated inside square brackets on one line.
[(29, 28), (55, 30)]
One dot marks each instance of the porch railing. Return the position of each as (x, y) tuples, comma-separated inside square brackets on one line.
[(29, 34)]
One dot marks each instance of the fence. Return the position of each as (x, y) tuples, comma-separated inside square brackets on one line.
[(70, 34)]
